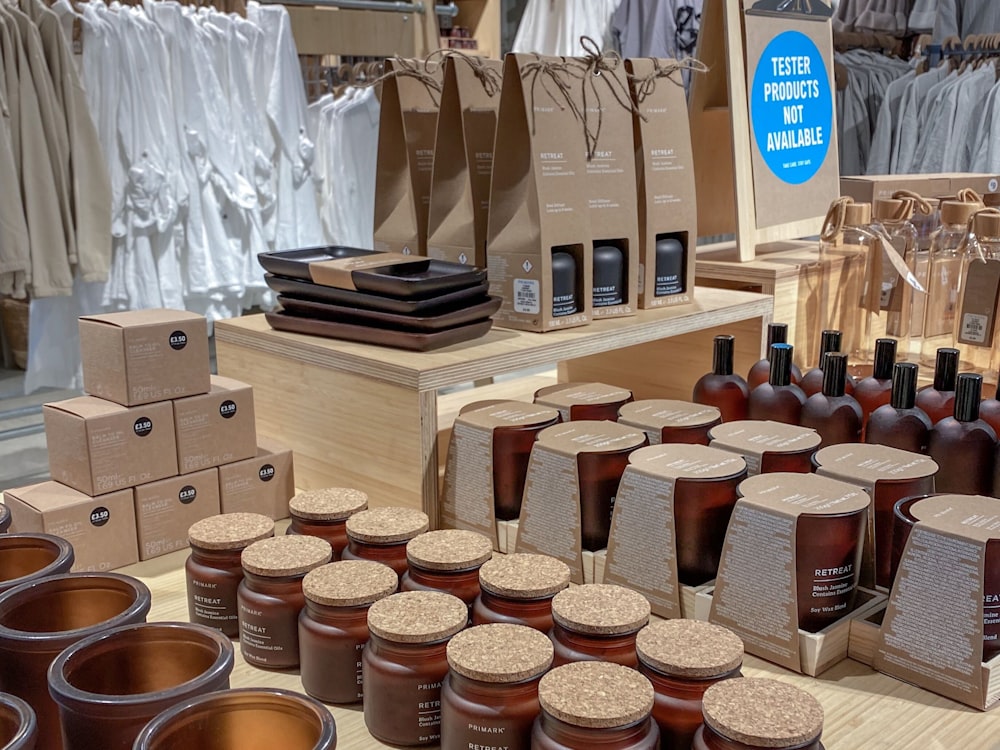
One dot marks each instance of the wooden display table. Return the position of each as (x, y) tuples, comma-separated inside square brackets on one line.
[(368, 417)]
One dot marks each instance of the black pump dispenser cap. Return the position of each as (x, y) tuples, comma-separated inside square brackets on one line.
[(781, 364), (722, 355), (829, 342), (885, 358), (904, 385), (777, 333), (945, 369), (834, 373), (967, 394)]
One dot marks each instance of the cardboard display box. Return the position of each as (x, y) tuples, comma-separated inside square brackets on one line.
[(872, 187), (101, 529), (262, 484), (165, 510), (217, 427)]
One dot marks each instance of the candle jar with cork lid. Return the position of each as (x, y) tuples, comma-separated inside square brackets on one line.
[(213, 570), (381, 535), (270, 597), (597, 621), (490, 696), (333, 626), (324, 513), (447, 560), (518, 589), (405, 662)]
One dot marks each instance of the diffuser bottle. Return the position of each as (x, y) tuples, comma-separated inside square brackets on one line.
[(812, 381), (722, 388), (564, 271), (778, 399), (609, 276), (900, 423), (963, 445), (876, 389), (976, 334), (777, 333), (938, 400), (835, 415), (670, 270)]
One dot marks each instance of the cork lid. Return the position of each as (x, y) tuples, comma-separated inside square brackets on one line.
[(524, 576), (387, 525), (349, 583), (762, 712), (987, 224), (284, 556), (600, 608), (893, 209), (230, 531), (957, 212), (596, 694), (418, 617), (689, 648), (328, 504), (857, 214), (500, 653), (449, 549)]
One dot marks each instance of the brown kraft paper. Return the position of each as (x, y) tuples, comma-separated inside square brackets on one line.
[(339, 273), (978, 317), (565, 396), (754, 438), (654, 415)]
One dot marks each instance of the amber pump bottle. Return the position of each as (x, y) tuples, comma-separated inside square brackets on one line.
[(722, 388), (778, 400), (777, 333), (963, 445), (876, 389), (812, 381), (900, 423), (835, 415), (938, 400)]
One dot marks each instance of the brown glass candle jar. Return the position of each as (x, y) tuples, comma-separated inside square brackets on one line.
[(902, 524), (734, 719), (333, 627), (595, 704), (324, 513), (597, 621), (405, 662), (448, 561), (240, 719), (768, 446), (666, 421), (110, 685), (27, 557), (381, 534), (270, 597), (4, 518), (213, 569), (584, 401), (682, 659), (18, 728), (40, 619), (490, 696), (517, 589)]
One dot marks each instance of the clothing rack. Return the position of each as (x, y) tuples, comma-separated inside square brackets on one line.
[(387, 6), (955, 48)]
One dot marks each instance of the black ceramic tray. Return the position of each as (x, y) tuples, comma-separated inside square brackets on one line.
[(446, 318), (413, 341), (307, 290), (295, 263)]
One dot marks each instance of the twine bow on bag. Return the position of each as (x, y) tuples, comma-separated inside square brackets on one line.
[(646, 85), (417, 69), (554, 78), (600, 66), (490, 78)]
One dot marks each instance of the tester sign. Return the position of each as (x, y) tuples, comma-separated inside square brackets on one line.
[(791, 107)]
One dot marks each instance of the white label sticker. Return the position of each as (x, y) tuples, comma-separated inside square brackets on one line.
[(526, 297), (974, 328)]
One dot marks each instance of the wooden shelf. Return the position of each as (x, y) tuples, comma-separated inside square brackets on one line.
[(482, 18)]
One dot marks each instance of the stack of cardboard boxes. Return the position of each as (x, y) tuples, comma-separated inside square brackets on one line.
[(158, 444)]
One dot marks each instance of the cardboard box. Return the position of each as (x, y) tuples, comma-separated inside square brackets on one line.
[(101, 529), (96, 446), (872, 187), (144, 356), (263, 484), (165, 510), (217, 427)]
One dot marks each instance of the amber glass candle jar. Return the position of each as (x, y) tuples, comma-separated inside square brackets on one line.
[(597, 621), (667, 421), (40, 619), (213, 569), (517, 589), (333, 626), (490, 696), (682, 659), (18, 728), (26, 557), (110, 685), (580, 401), (381, 534), (902, 524), (751, 713), (448, 561), (270, 597), (405, 662), (4, 518), (828, 556), (595, 704), (241, 719), (324, 513), (768, 448)]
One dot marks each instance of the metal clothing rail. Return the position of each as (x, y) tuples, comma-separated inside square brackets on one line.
[(391, 6)]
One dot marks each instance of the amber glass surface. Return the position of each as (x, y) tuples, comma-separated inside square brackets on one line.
[(26, 557), (964, 452), (600, 474), (511, 451), (461, 583), (493, 608), (689, 435), (242, 719), (902, 524), (727, 393), (989, 412), (110, 685), (707, 739), (4, 519), (335, 532), (18, 728), (871, 393), (759, 372), (269, 620), (403, 690), (828, 557), (936, 404), (213, 576), (812, 382), (837, 419), (677, 704), (799, 462), (330, 643), (571, 646), (477, 714), (41, 618), (549, 733), (887, 494), (393, 555), (906, 429), (581, 412), (701, 517)]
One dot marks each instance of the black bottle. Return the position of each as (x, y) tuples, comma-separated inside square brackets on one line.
[(670, 271), (563, 284), (609, 276), (722, 388), (777, 333), (778, 399), (833, 414)]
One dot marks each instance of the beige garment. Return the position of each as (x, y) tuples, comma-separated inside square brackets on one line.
[(14, 248), (90, 192)]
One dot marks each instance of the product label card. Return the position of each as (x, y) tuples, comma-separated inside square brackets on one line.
[(753, 438), (338, 273), (653, 415), (977, 318)]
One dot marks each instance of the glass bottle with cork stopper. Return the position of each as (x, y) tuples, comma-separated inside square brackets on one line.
[(324, 513), (270, 597), (722, 388), (835, 415), (595, 704), (937, 401), (892, 221), (333, 626), (963, 445), (213, 570), (518, 589), (491, 693), (777, 333), (734, 719), (779, 399), (812, 381), (976, 333), (405, 662), (447, 560), (682, 659), (900, 423), (597, 621), (381, 535), (875, 390)]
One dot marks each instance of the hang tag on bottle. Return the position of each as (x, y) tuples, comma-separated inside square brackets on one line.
[(979, 303)]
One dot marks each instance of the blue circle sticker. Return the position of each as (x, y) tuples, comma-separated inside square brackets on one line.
[(791, 107)]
